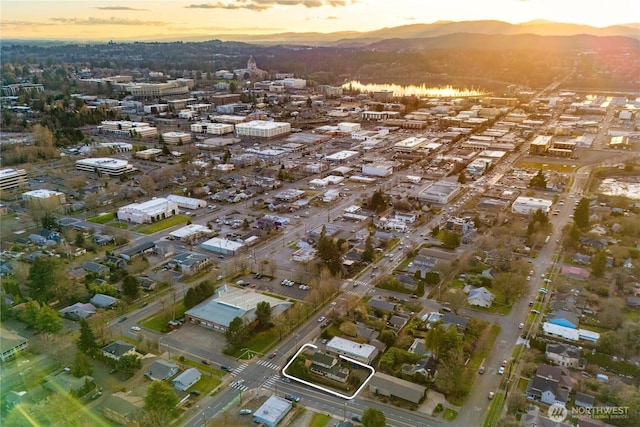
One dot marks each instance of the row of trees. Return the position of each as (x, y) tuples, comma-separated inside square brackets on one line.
[(199, 293)]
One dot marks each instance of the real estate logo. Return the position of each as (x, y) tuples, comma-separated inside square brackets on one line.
[(557, 413)]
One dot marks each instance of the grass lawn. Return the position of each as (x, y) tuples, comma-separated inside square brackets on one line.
[(495, 411), (206, 384), (158, 322), (487, 345), (260, 342), (120, 225), (161, 225), (319, 420), (102, 218), (522, 384), (449, 414), (201, 367)]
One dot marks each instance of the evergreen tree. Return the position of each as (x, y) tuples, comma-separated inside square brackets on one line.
[(41, 278), (373, 417), (263, 314), (81, 366), (599, 263), (160, 404), (369, 251), (236, 333), (87, 340), (462, 177), (538, 181), (48, 320), (581, 214), (130, 287)]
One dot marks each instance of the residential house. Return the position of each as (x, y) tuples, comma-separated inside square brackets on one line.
[(480, 297), (633, 302), (328, 366), (537, 418), (550, 384), (565, 355), (162, 370), (186, 379), (396, 388), (449, 319), (425, 367), (146, 283), (563, 318), (76, 251), (103, 301), (96, 268), (117, 349), (78, 311), (382, 305), (65, 383), (117, 261), (583, 400), (576, 273), (11, 345), (397, 322), (581, 259), (123, 409), (417, 347)]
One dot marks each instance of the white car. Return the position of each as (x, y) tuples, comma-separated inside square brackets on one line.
[(135, 328), (321, 319), (501, 370)]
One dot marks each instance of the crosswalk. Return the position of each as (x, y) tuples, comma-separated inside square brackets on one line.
[(237, 371), (268, 364), (268, 384), (239, 385)]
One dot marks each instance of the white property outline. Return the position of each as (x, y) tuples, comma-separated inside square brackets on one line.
[(335, 393)]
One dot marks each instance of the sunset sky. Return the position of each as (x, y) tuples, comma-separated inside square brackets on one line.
[(114, 19)]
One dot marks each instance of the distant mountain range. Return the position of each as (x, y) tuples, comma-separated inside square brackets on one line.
[(441, 29), (420, 31)]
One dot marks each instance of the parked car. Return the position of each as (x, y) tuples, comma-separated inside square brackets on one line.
[(321, 319), (521, 325), (357, 418), (292, 397), (481, 370), (501, 370), (135, 328), (491, 394), (226, 368), (504, 363), (195, 393), (245, 411)]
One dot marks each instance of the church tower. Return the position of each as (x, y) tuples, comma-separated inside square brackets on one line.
[(251, 64)]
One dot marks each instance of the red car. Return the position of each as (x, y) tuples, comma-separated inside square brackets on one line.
[(504, 363)]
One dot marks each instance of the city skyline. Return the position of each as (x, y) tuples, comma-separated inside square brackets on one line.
[(119, 20)]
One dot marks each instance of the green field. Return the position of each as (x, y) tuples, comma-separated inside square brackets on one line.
[(319, 420), (161, 225), (102, 218)]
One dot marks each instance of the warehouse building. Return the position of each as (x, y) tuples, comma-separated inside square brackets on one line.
[(152, 210), (441, 192), (187, 202), (272, 411), (528, 205), (222, 246), (228, 303)]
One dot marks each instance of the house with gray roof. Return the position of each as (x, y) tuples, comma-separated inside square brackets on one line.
[(78, 310), (123, 408), (65, 383), (480, 297), (328, 366), (162, 370), (584, 400), (186, 379), (117, 349), (382, 305), (95, 268), (390, 386), (550, 384), (565, 355), (104, 301)]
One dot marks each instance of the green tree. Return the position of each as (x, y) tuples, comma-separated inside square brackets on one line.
[(373, 417), (538, 181), (48, 320), (329, 252), (128, 364), (87, 340), (233, 87), (388, 336), (130, 287), (41, 278), (79, 240), (450, 240), (160, 404), (581, 214), (451, 374), (369, 251), (442, 340), (462, 177), (82, 365), (236, 333), (263, 314), (599, 263), (378, 201), (511, 285)]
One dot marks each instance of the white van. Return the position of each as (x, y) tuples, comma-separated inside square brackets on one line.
[(245, 411)]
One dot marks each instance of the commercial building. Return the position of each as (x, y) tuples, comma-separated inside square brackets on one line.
[(158, 90), (105, 165), (219, 128), (55, 197), (410, 144), (176, 137), (222, 246), (390, 386), (540, 144), (228, 303), (272, 411), (341, 156), (364, 353), (149, 211), (262, 129), (15, 89), (528, 205), (13, 178), (441, 192), (187, 202), (190, 232), (148, 154), (381, 169)]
